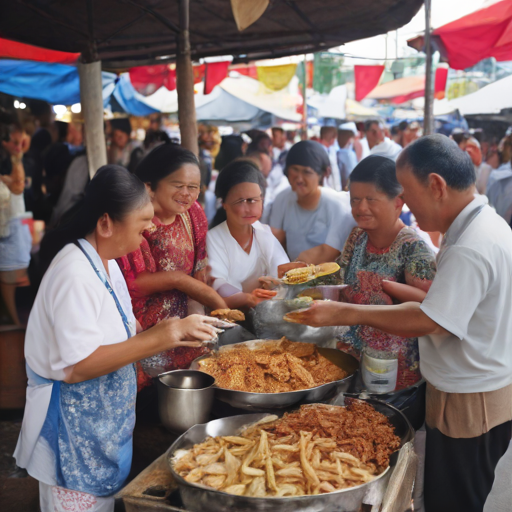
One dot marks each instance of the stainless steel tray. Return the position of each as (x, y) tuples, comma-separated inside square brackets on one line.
[(268, 401), (199, 499)]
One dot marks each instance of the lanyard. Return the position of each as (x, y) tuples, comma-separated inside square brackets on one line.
[(110, 290)]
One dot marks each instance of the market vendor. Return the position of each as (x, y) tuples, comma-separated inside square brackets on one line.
[(308, 215), (383, 260), (166, 275), (240, 248), (81, 341), (464, 323)]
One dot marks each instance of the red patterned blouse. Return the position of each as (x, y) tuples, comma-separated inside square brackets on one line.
[(178, 246)]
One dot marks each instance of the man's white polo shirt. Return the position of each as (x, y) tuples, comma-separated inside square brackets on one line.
[(471, 297)]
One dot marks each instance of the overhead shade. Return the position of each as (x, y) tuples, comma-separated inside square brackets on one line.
[(491, 99), (366, 79), (128, 33), (59, 84), (408, 88), (15, 50), (482, 34)]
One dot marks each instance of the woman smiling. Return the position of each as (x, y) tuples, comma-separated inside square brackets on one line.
[(308, 215), (170, 266)]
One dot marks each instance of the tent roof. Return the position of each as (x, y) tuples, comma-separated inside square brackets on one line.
[(233, 100), (400, 90), (484, 33), (491, 99), (134, 32)]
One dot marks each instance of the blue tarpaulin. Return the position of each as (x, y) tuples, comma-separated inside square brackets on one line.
[(59, 84)]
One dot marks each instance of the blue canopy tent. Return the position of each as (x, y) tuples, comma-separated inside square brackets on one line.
[(59, 84)]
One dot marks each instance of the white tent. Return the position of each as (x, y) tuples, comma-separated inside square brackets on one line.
[(235, 99), (491, 99)]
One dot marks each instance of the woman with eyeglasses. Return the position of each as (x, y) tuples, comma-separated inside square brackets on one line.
[(169, 269), (240, 248)]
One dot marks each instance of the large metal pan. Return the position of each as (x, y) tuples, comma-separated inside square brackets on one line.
[(268, 401), (199, 499)]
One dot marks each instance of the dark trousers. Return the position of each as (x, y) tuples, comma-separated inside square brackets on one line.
[(459, 473)]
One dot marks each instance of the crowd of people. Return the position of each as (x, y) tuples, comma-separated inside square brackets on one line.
[(134, 257)]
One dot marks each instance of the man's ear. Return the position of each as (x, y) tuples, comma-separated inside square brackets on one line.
[(328, 172), (104, 226), (399, 202), (149, 190), (437, 185)]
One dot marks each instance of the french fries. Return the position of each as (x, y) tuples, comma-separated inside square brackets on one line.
[(260, 463)]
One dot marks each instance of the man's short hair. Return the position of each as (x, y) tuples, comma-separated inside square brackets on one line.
[(277, 129), (369, 122), (437, 154), (328, 131)]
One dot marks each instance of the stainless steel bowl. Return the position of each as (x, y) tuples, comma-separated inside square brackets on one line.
[(269, 401), (199, 499), (267, 321), (185, 398)]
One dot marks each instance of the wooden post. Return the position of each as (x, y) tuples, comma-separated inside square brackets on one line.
[(304, 135), (185, 84), (91, 99), (428, 109)]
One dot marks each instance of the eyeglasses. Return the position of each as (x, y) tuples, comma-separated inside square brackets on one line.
[(250, 201)]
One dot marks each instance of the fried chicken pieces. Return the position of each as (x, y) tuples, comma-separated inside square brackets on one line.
[(271, 367), (309, 451)]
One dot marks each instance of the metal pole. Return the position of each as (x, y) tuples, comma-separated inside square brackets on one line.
[(185, 84), (428, 112), (91, 99), (304, 135)]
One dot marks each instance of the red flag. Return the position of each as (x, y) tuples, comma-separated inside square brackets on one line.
[(215, 73), (440, 82), (367, 78), (148, 79)]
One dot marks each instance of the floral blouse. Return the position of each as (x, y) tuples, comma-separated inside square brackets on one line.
[(363, 267), (178, 246)]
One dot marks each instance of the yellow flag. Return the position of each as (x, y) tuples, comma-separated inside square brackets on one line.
[(246, 12), (276, 78)]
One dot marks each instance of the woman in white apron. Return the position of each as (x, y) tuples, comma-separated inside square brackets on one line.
[(81, 341), (240, 248)]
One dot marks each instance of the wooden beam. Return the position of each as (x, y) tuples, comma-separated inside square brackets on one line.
[(91, 99), (185, 84), (428, 109)]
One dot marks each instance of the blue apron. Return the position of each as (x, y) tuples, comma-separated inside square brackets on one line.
[(89, 425)]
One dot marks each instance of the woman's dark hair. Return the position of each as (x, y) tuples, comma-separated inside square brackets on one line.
[(308, 153), (380, 171), (162, 161), (114, 191), (230, 149), (239, 171)]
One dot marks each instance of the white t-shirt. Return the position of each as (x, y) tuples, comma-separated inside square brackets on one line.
[(330, 223), (233, 269), (471, 297), (73, 315)]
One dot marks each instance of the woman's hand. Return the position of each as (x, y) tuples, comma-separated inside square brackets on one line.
[(187, 332), (261, 293), (320, 314)]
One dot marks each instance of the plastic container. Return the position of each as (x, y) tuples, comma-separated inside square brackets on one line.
[(379, 370)]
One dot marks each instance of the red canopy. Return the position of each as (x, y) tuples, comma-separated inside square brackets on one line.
[(482, 34), (14, 50)]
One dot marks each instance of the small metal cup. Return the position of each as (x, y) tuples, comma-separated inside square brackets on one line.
[(185, 398)]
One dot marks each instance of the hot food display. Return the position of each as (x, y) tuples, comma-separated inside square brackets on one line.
[(275, 366), (315, 450)]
